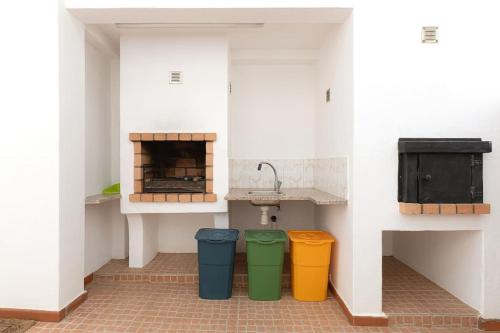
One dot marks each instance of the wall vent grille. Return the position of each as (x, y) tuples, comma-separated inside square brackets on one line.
[(429, 35), (175, 77)]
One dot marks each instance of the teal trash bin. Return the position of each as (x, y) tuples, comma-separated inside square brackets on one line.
[(216, 250)]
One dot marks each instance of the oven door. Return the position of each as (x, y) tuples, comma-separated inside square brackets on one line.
[(445, 178)]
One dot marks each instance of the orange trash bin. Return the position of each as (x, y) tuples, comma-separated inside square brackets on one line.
[(310, 252)]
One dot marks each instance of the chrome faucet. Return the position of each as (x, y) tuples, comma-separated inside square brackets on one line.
[(277, 183)]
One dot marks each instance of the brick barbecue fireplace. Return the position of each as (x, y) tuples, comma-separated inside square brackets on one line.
[(173, 167)]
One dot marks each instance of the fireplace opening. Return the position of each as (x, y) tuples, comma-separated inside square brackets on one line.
[(173, 166)]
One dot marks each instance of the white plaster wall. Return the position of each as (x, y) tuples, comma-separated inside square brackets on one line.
[(292, 215), (333, 138), (98, 152), (29, 238), (272, 111), (71, 156), (334, 70), (387, 243), (97, 120), (119, 221), (408, 89), (98, 236), (176, 231), (150, 104), (115, 119), (451, 259)]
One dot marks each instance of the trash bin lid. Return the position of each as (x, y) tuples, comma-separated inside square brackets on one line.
[(265, 236), (310, 236), (212, 234)]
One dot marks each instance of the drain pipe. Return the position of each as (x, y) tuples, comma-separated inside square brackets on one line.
[(264, 219)]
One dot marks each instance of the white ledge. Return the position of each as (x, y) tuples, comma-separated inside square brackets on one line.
[(97, 199)]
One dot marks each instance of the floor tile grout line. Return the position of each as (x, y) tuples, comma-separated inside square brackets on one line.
[(430, 314), (238, 315)]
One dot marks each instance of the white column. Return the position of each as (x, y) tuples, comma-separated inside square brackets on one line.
[(221, 220), (71, 153), (491, 273), (143, 239), (119, 247), (42, 119)]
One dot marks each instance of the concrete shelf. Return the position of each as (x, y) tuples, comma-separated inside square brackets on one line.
[(97, 199)]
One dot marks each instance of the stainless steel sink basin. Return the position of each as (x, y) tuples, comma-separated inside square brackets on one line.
[(260, 202), (265, 198), (263, 193)]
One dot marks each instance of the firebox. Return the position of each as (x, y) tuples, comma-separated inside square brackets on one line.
[(441, 170), (173, 167)]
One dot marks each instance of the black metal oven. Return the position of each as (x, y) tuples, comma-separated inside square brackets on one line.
[(441, 170)]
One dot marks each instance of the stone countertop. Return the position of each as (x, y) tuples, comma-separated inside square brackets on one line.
[(288, 194)]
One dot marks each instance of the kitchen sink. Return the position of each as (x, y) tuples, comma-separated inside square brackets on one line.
[(265, 202), (263, 193), (265, 197)]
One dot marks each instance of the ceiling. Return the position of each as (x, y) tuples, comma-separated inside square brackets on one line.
[(269, 36), (280, 36), (301, 25), (107, 11)]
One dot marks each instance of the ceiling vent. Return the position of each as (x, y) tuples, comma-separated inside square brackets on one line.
[(429, 35), (175, 77)]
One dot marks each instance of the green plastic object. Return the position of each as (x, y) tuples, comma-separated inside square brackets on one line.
[(265, 254), (113, 189)]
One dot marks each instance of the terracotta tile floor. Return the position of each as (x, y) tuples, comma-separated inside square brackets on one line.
[(163, 263), (142, 306), (168, 307), (173, 263), (410, 298), (175, 267)]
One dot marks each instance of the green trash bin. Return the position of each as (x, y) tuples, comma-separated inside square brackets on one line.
[(265, 253)]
